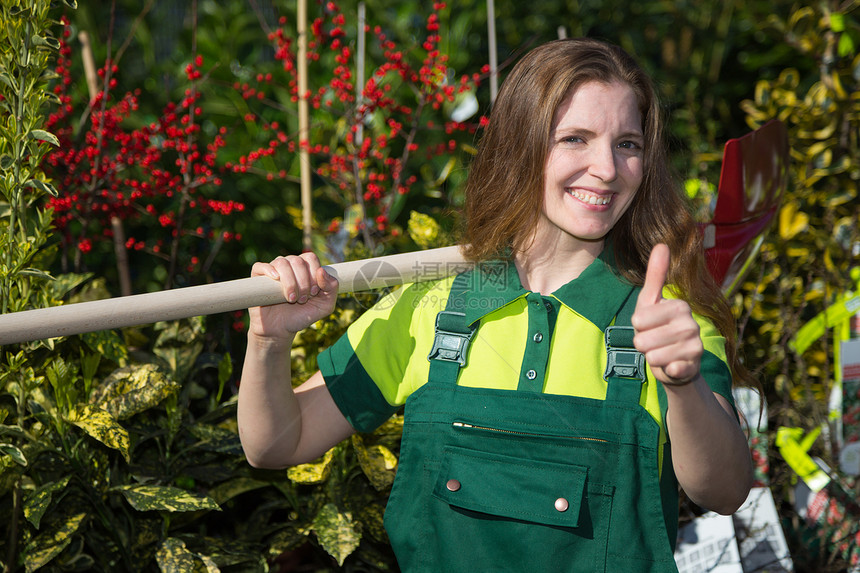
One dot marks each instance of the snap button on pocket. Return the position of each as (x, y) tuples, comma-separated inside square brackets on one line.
[(531, 374), (561, 504), (454, 485)]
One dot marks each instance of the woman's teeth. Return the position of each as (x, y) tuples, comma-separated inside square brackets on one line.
[(590, 199)]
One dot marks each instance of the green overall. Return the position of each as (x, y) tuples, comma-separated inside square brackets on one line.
[(489, 480)]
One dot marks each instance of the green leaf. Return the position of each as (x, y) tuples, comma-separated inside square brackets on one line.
[(42, 135), (232, 555), (90, 364), (371, 518), (35, 273), (351, 219), (837, 21), (38, 502), (179, 344), (148, 532), (291, 536), (67, 282), (45, 41), (15, 453), (215, 439), (165, 498), (133, 389), (377, 462), (314, 472), (14, 431), (397, 204), (845, 47), (108, 343), (173, 557), (227, 490), (225, 371), (44, 547), (336, 532), (791, 222), (446, 170), (42, 186), (102, 426), (423, 229)]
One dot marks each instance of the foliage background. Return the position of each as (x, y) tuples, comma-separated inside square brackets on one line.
[(119, 450)]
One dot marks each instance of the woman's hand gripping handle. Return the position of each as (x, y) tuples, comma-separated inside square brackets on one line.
[(310, 293)]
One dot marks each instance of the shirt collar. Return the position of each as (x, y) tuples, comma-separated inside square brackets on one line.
[(596, 294), (490, 286)]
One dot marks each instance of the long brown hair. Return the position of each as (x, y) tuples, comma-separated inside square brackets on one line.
[(504, 190)]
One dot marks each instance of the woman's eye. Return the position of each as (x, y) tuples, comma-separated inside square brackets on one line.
[(629, 145), (573, 139)]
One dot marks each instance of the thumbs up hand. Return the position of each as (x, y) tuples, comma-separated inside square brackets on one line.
[(666, 332)]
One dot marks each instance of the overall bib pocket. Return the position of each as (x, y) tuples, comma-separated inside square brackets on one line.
[(508, 487)]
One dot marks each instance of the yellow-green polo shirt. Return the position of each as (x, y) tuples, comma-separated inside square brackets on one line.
[(525, 342)]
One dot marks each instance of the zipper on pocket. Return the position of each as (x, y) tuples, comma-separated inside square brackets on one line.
[(467, 426)]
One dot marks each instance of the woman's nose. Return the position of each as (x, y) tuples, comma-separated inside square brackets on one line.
[(602, 163)]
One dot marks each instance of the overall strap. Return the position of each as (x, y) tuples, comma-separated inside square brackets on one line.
[(625, 366), (453, 335)]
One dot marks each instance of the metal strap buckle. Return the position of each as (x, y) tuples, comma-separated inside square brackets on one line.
[(449, 345), (622, 358)]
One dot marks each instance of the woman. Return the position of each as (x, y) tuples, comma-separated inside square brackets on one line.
[(535, 438)]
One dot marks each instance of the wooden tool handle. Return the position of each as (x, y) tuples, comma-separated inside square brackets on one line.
[(353, 276)]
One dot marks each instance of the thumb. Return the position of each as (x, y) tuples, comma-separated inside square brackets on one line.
[(655, 276), (325, 281)]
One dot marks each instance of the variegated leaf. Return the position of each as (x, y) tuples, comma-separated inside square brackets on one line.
[(65, 283), (377, 462), (314, 472), (37, 502), (165, 498), (108, 343), (217, 439), (179, 344), (50, 543), (148, 533), (133, 389), (102, 426), (180, 358), (174, 557), (370, 520), (336, 533), (227, 490), (180, 332), (225, 369), (791, 221), (15, 453), (288, 538), (233, 554)]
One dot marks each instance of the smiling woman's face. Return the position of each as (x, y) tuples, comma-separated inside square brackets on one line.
[(594, 166)]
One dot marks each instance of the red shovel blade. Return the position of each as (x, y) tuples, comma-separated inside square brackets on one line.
[(752, 182)]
